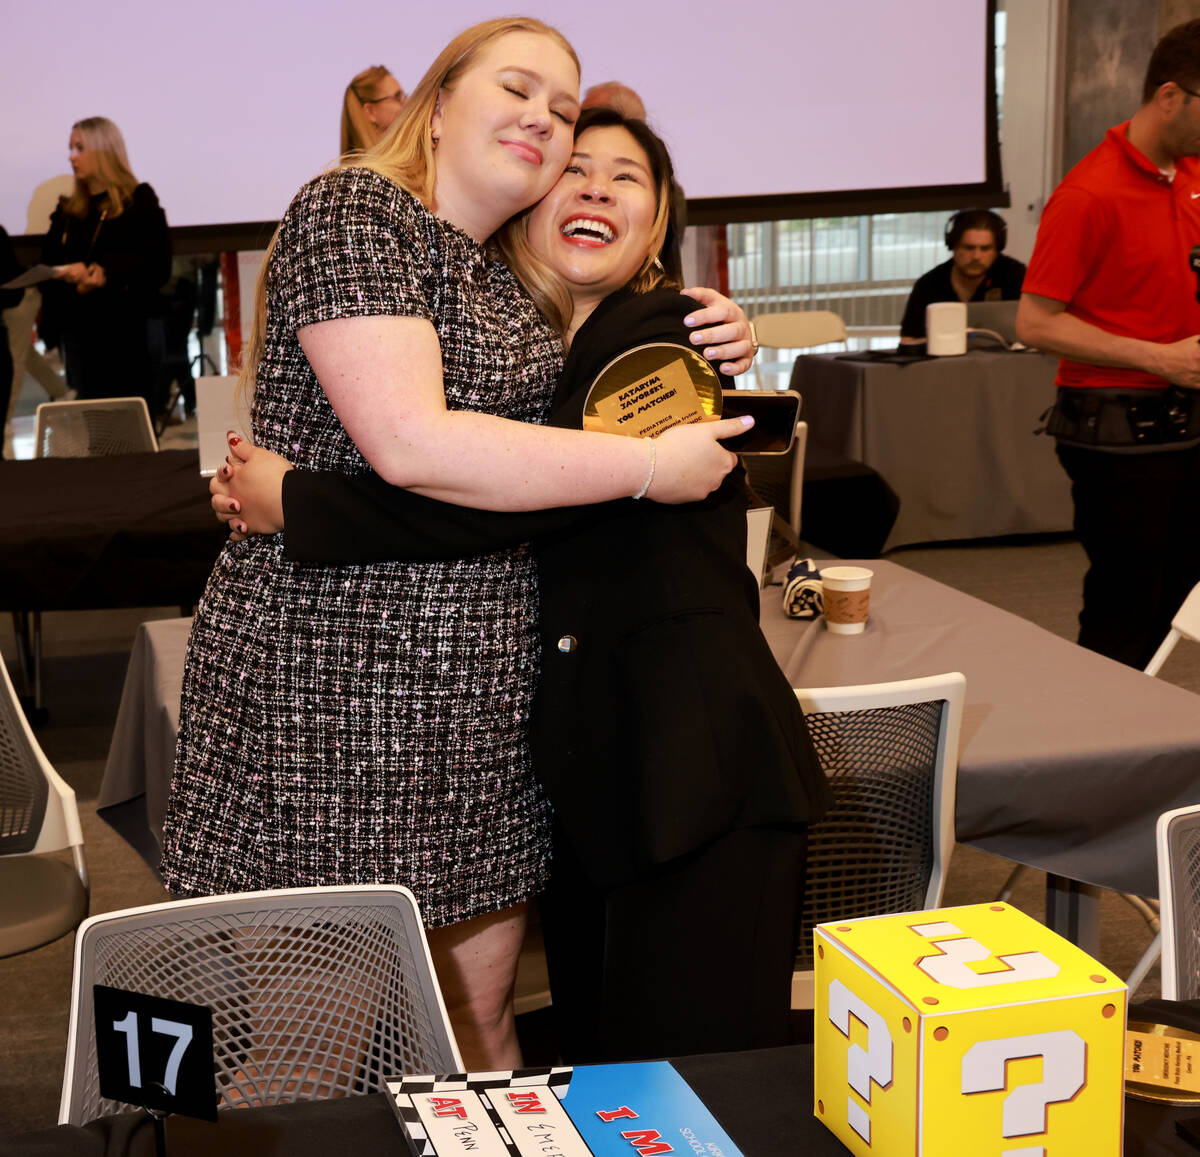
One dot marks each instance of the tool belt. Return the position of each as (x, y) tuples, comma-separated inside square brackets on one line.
[(1115, 418)]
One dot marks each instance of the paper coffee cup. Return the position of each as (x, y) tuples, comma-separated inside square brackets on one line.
[(847, 598)]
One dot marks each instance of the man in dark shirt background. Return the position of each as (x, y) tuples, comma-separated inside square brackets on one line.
[(977, 271)]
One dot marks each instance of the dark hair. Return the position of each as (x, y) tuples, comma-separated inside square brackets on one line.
[(976, 219), (1175, 57), (667, 191)]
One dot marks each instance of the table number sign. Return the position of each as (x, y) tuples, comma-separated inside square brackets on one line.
[(155, 1053), (626, 1110), (964, 1031)]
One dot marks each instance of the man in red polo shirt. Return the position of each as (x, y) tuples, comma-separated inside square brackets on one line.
[(1111, 291)]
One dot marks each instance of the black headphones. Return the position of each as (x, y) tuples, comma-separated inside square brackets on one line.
[(966, 219)]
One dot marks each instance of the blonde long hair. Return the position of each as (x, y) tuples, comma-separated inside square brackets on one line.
[(102, 137), (358, 132), (405, 156)]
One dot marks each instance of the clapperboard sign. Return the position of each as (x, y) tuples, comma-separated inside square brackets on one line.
[(650, 388), (586, 1111), (155, 1053)]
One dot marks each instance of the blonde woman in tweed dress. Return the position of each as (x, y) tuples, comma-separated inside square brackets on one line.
[(360, 724)]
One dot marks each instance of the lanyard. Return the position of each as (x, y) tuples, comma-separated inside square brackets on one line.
[(95, 234)]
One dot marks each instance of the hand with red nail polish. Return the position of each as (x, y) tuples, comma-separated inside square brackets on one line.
[(247, 492)]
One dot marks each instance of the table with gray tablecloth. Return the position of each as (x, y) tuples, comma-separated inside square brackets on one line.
[(1066, 757), (953, 437), (137, 776)]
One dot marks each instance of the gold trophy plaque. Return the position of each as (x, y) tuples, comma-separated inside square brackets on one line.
[(1162, 1064), (650, 388)]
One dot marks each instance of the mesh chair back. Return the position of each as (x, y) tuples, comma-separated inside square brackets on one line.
[(24, 791), (93, 428), (884, 844), (315, 992), (1178, 839)]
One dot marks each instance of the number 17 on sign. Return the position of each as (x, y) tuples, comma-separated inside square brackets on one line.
[(155, 1053)]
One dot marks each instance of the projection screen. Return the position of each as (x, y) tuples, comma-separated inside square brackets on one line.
[(771, 109)]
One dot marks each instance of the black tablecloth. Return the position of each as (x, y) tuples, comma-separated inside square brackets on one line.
[(129, 530), (763, 1100), (848, 509)]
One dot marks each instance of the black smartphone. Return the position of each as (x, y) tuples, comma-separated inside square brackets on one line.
[(774, 413)]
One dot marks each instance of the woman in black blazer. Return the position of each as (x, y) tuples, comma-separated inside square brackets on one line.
[(9, 268), (668, 739), (110, 238)]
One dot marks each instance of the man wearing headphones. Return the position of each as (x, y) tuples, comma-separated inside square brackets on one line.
[(977, 270), (1111, 290)]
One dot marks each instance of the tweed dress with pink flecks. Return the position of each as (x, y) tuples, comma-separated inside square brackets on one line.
[(361, 724)]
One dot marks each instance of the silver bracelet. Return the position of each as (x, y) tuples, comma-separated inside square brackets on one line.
[(649, 477)]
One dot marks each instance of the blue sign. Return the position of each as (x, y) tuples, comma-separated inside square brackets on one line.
[(646, 1109)]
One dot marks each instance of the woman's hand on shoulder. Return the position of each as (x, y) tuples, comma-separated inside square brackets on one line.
[(723, 329), (247, 492), (690, 462)]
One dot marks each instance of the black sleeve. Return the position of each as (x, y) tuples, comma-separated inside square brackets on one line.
[(9, 268), (142, 263), (342, 518), (52, 243), (332, 517), (54, 293)]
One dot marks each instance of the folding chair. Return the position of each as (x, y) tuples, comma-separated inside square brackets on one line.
[(797, 329)]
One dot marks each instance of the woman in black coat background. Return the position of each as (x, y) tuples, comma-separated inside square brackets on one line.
[(672, 747), (110, 236), (9, 268)]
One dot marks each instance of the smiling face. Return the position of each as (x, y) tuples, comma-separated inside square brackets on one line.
[(595, 228), (504, 130)]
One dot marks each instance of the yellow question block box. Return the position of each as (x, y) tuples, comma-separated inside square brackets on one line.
[(965, 1031)]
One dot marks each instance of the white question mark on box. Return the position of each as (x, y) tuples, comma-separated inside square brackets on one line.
[(1064, 1067), (874, 1063), (951, 967)]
